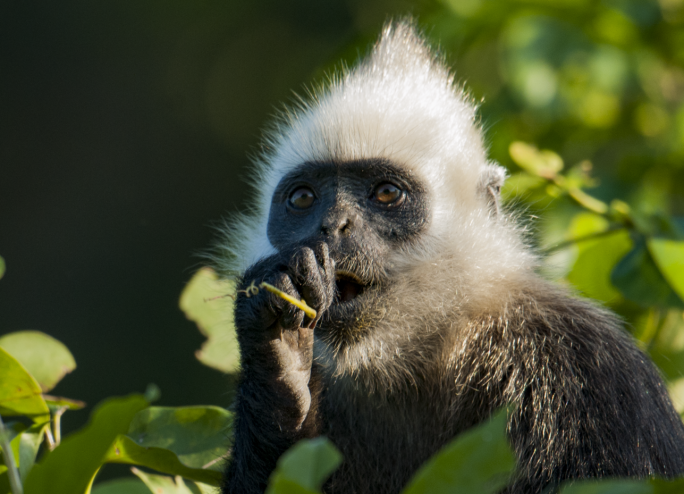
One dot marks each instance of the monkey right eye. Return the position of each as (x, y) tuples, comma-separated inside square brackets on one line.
[(388, 194), (302, 198)]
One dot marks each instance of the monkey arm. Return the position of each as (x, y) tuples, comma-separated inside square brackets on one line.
[(265, 427), (276, 405)]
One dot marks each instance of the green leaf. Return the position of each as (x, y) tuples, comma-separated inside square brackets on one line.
[(520, 184), (2, 267), (639, 279), (160, 484), (479, 461), (187, 441), (196, 434), (662, 486), (669, 257), (126, 451), (19, 392), (590, 273), (4, 481), (608, 487), (121, 486), (13, 431), (542, 163), (671, 364), (204, 488), (205, 302), (45, 358), (304, 467), (70, 468), (27, 444), (282, 485)]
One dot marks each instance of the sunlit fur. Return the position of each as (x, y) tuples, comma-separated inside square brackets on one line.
[(467, 325), (401, 104)]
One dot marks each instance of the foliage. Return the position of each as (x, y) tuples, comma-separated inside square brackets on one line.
[(187, 441), (204, 301), (45, 358), (602, 81), (305, 467), (478, 462)]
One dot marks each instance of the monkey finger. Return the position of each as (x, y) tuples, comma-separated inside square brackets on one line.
[(327, 264), (327, 268), (311, 279), (290, 316)]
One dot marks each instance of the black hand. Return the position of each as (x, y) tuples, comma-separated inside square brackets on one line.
[(276, 346)]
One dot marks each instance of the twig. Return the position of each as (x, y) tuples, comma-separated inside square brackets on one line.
[(591, 236), (12, 472), (300, 304), (56, 425), (587, 201), (50, 439)]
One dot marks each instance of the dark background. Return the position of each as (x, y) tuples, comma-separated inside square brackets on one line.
[(125, 128)]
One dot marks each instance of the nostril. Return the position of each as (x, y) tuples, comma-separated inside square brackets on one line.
[(336, 226)]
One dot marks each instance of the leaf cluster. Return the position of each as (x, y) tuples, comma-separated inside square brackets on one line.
[(184, 441)]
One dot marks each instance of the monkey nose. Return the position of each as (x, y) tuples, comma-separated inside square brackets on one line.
[(337, 225)]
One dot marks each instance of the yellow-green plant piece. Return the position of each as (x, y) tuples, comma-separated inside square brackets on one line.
[(125, 485), (161, 484), (125, 450), (45, 358), (300, 304), (543, 163), (207, 300), (669, 257), (71, 467), (20, 394), (596, 257)]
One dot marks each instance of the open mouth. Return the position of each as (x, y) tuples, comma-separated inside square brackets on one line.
[(348, 286)]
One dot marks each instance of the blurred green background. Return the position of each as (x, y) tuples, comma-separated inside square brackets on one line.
[(126, 127)]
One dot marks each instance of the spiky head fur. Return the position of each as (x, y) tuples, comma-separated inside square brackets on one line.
[(401, 104)]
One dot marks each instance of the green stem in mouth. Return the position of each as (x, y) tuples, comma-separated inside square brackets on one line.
[(300, 304)]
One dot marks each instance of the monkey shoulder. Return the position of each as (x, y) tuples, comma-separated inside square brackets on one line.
[(587, 402)]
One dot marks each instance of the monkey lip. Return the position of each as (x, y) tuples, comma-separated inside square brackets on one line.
[(347, 286)]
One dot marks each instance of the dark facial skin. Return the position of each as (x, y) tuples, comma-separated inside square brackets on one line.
[(362, 211), (334, 226)]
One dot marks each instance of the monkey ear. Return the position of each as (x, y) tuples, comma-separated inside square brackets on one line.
[(491, 181)]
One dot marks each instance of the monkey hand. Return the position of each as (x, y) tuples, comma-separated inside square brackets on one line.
[(276, 338)]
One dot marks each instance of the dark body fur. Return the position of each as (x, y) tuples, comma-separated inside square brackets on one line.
[(589, 404)]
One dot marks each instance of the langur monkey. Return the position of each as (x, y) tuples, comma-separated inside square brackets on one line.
[(377, 205)]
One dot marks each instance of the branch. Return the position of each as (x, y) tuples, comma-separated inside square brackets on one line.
[(12, 472), (591, 236)]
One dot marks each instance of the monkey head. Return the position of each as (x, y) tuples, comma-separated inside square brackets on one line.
[(386, 166)]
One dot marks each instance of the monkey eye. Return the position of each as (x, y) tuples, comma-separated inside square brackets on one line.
[(388, 194), (302, 198)]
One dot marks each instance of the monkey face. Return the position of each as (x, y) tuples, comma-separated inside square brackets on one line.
[(364, 211)]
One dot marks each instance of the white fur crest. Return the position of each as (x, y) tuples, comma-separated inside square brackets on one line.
[(400, 104)]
